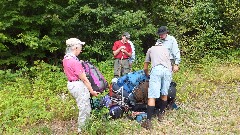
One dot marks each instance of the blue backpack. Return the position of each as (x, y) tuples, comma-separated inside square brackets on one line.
[(131, 80)]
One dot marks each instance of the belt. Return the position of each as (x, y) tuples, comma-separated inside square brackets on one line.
[(73, 80)]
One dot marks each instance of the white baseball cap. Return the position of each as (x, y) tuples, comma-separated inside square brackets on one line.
[(74, 41)]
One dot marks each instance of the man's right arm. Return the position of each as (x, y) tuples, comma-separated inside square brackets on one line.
[(145, 68), (146, 63), (176, 52), (115, 52), (176, 56)]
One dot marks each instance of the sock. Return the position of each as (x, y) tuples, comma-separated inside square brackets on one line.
[(163, 105), (158, 103), (150, 110)]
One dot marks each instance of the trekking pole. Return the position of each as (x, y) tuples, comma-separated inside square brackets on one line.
[(120, 75), (122, 96), (121, 64)]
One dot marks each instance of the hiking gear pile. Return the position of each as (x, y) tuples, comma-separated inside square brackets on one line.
[(129, 93)]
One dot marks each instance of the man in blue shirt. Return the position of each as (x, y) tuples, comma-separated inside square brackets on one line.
[(171, 44)]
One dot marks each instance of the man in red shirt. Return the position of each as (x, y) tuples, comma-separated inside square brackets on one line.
[(122, 51)]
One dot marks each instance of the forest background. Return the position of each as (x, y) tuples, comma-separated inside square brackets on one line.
[(32, 44)]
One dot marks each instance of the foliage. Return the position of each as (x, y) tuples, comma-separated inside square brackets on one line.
[(194, 80), (38, 30), (33, 95), (201, 27), (29, 31)]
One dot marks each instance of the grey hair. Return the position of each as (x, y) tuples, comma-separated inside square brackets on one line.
[(73, 43), (70, 49)]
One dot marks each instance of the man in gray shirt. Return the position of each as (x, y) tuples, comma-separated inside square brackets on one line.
[(160, 79)]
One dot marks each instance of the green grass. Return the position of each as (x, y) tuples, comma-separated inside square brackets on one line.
[(208, 94)]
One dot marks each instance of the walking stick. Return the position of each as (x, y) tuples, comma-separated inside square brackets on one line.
[(121, 64)]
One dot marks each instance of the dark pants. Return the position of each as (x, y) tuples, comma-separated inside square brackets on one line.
[(121, 67)]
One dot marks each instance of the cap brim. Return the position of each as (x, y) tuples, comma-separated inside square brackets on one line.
[(82, 43), (159, 33)]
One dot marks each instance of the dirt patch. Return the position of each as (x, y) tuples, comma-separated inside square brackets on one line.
[(63, 127)]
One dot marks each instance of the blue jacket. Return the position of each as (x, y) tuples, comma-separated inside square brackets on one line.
[(171, 44)]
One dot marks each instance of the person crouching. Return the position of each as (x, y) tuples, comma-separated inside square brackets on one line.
[(160, 79)]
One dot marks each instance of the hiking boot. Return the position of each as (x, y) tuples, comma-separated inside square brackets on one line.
[(169, 106), (160, 116), (147, 124)]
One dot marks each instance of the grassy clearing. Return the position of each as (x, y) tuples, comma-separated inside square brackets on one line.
[(215, 114), (208, 95), (209, 98)]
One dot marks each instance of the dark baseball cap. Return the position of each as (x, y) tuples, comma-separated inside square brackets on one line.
[(162, 30), (126, 34)]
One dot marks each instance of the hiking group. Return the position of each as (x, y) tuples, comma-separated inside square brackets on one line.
[(150, 92)]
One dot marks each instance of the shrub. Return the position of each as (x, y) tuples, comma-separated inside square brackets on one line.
[(40, 95)]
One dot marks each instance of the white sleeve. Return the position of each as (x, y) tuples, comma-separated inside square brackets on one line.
[(133, 50)]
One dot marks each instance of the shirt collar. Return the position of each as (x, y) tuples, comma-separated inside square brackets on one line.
[(123, 42), (70, 55), (167, 38)]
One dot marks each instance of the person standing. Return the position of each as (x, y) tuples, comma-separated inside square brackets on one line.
[(122, 51), (78, 84), (171, 44), (160, 79)]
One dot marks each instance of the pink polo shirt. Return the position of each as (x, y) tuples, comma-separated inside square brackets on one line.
[(72, 68)]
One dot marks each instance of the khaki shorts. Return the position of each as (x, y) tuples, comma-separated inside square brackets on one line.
[(160, 79)]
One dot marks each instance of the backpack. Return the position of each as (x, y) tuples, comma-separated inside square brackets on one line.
[(99, 103), (125, 97), (131, 80), (95, 77), (140, 93), (116, 111), (140, 117), (172, 91)]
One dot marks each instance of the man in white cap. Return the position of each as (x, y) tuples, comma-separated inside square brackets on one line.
[(78, 84)]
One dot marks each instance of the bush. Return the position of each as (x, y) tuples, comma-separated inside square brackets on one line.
[(33, 95)]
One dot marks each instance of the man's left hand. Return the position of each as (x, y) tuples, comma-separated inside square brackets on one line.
[(124, 51), (175, 68)]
